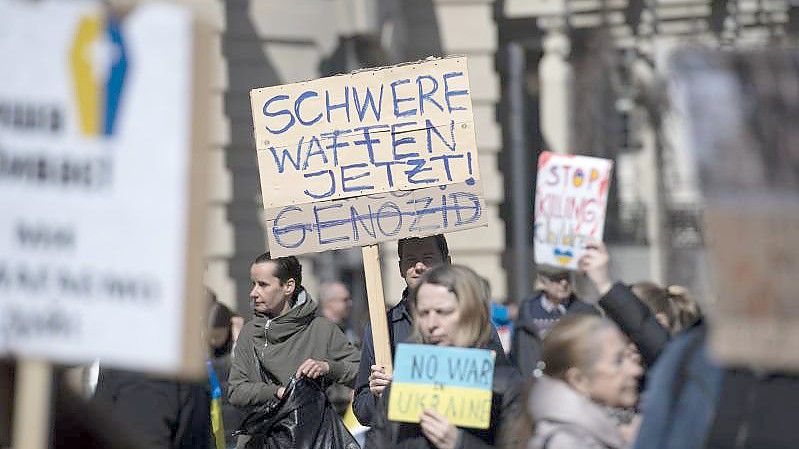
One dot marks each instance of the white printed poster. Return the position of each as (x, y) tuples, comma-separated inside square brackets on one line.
[(95, 140), (570, 201)]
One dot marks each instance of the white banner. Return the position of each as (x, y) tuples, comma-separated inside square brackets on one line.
[(570, 200), (95, 139)]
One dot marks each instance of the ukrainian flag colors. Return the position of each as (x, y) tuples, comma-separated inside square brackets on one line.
[(217, 426), (456, 382), (463, 407), (97, 99)]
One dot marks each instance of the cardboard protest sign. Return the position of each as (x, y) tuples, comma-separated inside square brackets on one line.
[(371, 156), (456, 382), (395, 128), (370, 219), (100, 243), (570, 201), (741, 110)]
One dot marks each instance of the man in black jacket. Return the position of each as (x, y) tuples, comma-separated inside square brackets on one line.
[(538, 313), (416, 255)]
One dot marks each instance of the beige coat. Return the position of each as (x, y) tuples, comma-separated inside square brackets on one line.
[(565, 419)]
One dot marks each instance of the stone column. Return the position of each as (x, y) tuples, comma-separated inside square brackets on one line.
[(557, 80), (650, 176)]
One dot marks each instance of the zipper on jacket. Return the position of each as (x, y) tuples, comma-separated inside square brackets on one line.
[(266, 331)]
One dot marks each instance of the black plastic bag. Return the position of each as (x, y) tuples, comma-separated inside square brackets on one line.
[(303, 419)]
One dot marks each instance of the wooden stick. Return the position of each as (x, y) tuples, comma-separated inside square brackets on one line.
[(377, 307), (194, 301), (34, 379), (6, 401)]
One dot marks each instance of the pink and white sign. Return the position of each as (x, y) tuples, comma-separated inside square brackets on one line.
[(570, 200)]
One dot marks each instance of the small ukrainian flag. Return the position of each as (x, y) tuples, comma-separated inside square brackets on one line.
[(217, 426)]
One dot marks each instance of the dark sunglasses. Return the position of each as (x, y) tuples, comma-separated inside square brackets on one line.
[(557, 277)]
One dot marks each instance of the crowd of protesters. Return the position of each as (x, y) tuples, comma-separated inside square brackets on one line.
[(629, 369), (573, 376)]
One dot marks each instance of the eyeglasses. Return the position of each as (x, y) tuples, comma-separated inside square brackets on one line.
[(428, 261), (556, 278)]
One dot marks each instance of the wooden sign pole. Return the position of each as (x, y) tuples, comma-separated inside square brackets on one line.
[(34, 382), (377, 307)]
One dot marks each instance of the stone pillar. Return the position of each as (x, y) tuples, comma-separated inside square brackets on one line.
[(650, 176), (557, 80)]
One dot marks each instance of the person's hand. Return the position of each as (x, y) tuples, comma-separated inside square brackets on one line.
[(438, 430), (595, 263), (378, 380), (313, 369), (280, 392)]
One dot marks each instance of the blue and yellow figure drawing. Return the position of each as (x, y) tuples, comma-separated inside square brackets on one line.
[(563, 256), (98, 97)]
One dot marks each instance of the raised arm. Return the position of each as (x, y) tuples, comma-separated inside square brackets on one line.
[(632, 316)]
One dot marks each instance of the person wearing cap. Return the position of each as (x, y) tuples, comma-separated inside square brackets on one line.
[(540, 312)]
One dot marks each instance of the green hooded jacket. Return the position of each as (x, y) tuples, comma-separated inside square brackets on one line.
[(268, 352)]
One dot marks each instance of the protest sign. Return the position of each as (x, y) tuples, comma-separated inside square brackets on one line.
[(740, 111), (371, 156), (456, 382), (370, 219), (395, 128), (100, 235), (570, 200)]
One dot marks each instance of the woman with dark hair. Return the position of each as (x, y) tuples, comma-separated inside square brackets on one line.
[(450, 308), (285, 339), (587, 376)]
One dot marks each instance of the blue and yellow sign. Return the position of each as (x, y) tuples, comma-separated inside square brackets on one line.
[(456, 382), (98, 92)]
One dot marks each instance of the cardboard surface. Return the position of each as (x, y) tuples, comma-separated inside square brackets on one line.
[(396, 128), (741, 110), (372, 156), (370, 219), (456, 382), (95, 167), (570, 201)]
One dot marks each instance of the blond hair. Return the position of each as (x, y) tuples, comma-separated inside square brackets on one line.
[(673, 301), (573, 342), (470, 291)]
